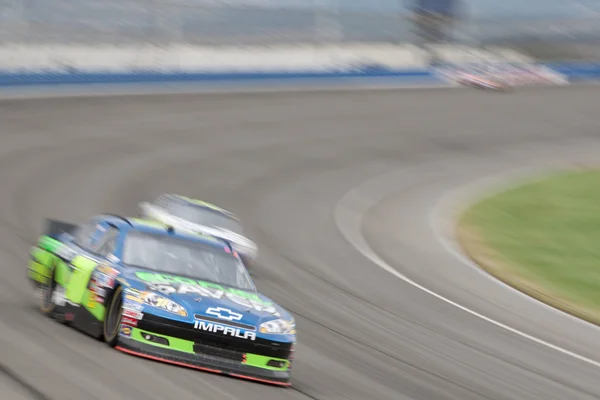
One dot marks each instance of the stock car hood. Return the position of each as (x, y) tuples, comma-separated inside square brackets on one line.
[(206, 300)]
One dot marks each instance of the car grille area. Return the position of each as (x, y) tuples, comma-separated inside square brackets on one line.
[(216, 345), (227, 354)]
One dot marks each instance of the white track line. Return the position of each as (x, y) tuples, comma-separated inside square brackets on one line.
[(349, 222), (460, 198)]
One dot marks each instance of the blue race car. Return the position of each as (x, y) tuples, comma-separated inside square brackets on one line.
[(150, 291)]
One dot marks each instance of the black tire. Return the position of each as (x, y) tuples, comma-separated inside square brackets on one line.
[(47, 307), (112, 320)]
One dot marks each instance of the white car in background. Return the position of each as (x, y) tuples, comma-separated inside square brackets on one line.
[(196, 216)]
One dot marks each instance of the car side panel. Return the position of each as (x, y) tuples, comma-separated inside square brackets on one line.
[(44, 261), (87, 306), (73, 275), (91, 304), (100, 289), (80, 278), (79, 291), (39, 270), (62, 272)]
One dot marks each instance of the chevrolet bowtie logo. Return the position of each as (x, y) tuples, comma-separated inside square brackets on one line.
[(224, 313)]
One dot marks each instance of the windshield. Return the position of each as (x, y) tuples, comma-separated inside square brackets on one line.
[(205, 216), (184, 257)]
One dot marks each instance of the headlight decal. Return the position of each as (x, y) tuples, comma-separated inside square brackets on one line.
[(158, 301), (278, 327)]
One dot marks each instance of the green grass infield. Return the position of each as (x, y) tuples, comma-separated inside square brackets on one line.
[(543, 238)]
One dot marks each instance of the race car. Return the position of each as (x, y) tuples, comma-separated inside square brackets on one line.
[(201, 217), (149, 290), (481, 79)]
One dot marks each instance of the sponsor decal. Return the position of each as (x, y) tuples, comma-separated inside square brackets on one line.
[(225, 330), (134, 299), (105, 269), (170, 284), (133, 314), (133, 295), (224, 313), (132, 305), (103, 280), (164, 289), (166, 280), (129, 321), (92, 300), (126, 331)]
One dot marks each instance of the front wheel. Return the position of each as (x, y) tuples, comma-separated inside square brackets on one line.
[(112, 319)]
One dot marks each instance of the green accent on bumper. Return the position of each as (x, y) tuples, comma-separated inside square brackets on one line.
[(174, 344), (187, 346), (261, 362)]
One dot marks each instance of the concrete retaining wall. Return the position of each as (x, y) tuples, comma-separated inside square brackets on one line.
[(185, 58), (402, 64)]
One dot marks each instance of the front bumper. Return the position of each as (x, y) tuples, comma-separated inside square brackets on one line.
[(135, 344)]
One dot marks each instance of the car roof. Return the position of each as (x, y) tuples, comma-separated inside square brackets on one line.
[(199, 204), (160, 229)]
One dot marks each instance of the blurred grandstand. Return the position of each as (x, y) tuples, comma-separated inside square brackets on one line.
[(222, 22)]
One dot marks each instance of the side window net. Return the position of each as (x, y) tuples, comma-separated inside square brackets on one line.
[(109, 242)]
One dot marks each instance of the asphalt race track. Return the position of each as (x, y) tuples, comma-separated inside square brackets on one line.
[(312, 175)]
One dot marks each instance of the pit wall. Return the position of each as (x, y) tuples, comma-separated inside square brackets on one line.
[(65, 64), (185, 58)]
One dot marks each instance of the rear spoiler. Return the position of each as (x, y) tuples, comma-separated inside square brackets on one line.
[(55, 228)]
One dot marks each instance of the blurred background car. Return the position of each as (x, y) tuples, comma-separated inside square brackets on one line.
[(197, 216)]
